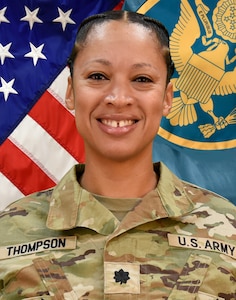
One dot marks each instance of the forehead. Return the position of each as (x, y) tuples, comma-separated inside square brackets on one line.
[(119, 30), (122, 44)]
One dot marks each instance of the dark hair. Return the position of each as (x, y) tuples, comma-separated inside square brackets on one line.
[(128, 16)]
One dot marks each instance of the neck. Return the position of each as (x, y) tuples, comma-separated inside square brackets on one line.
[(119, 179)]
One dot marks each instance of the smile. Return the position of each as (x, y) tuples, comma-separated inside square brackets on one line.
[(115, 124)]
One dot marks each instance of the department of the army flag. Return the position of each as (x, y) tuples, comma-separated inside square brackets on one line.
[(197, 140)]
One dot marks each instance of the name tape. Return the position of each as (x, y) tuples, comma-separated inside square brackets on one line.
[(202, 244), (54, 243)]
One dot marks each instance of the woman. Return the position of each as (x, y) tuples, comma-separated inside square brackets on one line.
[(119, 226)]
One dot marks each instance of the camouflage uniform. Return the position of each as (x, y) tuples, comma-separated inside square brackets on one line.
[(179, 242)]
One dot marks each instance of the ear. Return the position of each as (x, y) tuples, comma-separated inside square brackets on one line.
[(167, 103), (70, 103)]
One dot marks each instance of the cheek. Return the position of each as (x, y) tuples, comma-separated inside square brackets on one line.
[(81, 115), (156, 106), (81, 103), (155, 112), (79, 123), (84, 108)]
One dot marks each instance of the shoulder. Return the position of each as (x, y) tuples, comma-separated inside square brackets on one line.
[(203, 197), (197, 195), (25, 216), (28, 203), (186, 197), (212, 214)]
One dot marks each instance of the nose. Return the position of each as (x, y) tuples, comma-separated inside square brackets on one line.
[(119, 94)]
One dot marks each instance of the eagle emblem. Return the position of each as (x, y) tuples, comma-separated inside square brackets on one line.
[(203, 74)]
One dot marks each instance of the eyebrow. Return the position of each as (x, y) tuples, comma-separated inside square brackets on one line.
[(101, 61), (108, 63), (141, 65), (144, 65)]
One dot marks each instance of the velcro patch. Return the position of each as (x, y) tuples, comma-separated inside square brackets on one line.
[(201, 243), (121, 278), (54, 243)]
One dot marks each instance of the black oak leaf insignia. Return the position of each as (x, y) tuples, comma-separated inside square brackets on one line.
[(121, 276)]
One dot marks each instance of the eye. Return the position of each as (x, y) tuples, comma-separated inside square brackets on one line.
[(97, 76), (143, 79)]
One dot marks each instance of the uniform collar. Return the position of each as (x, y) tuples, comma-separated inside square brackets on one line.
[(71, 206)]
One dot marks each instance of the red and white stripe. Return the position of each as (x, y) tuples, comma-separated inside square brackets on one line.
[(42, 148)]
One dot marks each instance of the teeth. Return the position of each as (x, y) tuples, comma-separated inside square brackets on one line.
[(123, 123), (113, 123)]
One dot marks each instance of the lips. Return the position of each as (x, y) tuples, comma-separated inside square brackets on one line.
[(119, 123)]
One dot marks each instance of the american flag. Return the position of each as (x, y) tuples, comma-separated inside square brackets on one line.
[(38, 138)]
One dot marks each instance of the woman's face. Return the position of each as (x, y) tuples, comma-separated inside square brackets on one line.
[(119, 91)]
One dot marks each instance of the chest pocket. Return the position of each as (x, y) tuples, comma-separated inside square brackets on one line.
[(53, 277), (191, 278), (43, 280)]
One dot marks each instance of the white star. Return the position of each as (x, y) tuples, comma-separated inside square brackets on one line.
[(64, 18), (7, 88), (4, 52), (31, 17), (2, 17), (35, 53)]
